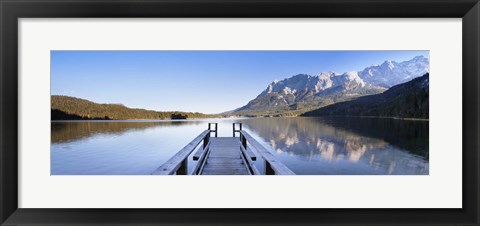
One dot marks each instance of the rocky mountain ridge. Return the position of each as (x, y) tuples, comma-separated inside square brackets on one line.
[(303, 92)]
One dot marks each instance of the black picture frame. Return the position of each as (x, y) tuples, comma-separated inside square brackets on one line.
[(12, 10)]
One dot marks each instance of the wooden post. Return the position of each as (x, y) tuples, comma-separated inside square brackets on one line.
[(268, 169), (244, 141), (233, 129), (205, 140), (183, 170), (207, 137), (216, 129)]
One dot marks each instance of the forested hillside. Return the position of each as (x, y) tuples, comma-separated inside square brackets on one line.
[(407, 100), (72, 108)]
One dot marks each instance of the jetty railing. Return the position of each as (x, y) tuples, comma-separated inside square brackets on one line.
[(178, 164), (272, 165)]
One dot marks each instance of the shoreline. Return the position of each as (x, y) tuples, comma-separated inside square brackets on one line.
[(190, 119), (358, 116), (140, 120)]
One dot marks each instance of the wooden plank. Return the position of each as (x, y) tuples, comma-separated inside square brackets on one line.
[(217, 153), (225, 170), (224, 173), (277, 166), (171, 166), (224, 161), (236, 171), (225, 164)]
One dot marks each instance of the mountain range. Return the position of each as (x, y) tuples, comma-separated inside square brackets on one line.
[(302, 93)]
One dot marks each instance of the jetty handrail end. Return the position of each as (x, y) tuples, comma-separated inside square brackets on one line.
[(179, 160), (278, 167)]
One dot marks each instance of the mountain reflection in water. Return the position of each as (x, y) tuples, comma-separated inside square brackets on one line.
[(339, 145)]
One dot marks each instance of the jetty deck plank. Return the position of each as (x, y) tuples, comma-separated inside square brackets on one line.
[(225, 157)]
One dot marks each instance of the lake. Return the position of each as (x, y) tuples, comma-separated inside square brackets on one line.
[(307, 145)]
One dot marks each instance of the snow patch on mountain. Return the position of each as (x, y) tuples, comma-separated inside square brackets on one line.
[(391, 73)]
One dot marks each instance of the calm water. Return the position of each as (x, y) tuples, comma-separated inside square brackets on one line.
[(318, 146)]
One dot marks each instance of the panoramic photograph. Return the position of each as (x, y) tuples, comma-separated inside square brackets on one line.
[(231, 112)]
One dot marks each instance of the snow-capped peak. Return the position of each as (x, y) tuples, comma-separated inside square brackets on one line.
[(388, 64), (388, 74), (391, 73), (351, 75)]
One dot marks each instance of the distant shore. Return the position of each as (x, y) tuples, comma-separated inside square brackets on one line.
[(360, 116), (244, 117)]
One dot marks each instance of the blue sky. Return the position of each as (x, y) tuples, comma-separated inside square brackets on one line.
[(202, 81)]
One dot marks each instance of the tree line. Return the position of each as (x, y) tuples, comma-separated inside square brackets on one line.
[(72, 108)]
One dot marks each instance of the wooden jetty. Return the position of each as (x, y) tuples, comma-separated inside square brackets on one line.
[(223, 156)]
